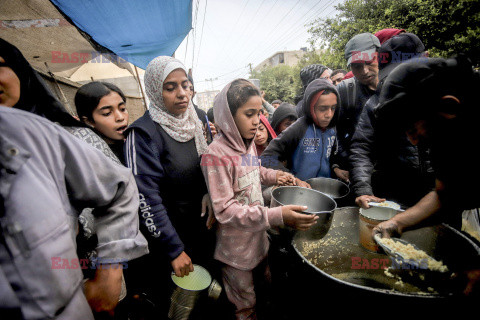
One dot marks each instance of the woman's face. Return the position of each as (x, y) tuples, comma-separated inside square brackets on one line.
[(110, 117), (9, 85), (262, 135), (247, 117), (176, 92)]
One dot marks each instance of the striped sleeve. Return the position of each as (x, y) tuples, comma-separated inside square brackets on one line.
[(143, 158)]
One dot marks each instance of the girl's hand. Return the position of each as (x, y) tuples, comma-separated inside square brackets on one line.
[(207, 206), (294, 219), (212, 128), (285, 178), (302, 183)]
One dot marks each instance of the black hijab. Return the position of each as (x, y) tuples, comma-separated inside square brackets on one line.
[(35, 97)]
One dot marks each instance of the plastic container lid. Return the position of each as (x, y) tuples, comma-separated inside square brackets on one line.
[(197, 280)]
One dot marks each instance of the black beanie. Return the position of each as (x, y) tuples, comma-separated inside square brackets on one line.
[(310, 73), (283, 111)]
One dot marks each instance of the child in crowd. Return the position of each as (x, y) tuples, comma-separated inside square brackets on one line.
[(307, 144), (102, 106), (264, 135), (285, 115), (234, 180)]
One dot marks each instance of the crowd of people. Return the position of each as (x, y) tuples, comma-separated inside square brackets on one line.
[(97, 213)]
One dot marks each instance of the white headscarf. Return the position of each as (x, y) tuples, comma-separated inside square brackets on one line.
[(182, 128)]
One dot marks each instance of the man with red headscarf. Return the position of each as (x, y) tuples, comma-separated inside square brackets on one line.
[(385, 34)]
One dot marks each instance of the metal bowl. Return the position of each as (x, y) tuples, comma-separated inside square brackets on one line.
[(317, 203), (331, 187)]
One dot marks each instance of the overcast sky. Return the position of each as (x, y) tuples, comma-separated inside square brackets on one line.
[(227, 35)]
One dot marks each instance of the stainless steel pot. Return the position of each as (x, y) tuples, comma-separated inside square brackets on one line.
[(347, 266), (317, 203), (331, 187)]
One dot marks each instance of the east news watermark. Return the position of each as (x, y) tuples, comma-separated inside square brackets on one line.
[(359, 263), (84, 57), (94, 263)]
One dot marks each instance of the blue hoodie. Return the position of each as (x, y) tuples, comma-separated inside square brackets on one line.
[(304, 149)]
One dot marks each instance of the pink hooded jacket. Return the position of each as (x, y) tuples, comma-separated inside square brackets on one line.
[(234, 180)]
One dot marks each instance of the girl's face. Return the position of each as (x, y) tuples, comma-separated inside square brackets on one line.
[(262, 135), (9, 85), (325, 109), (110, 117), (176, 92), (247, 117)]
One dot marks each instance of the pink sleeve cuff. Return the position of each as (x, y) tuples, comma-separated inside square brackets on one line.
[(268, 176), (275, 218)]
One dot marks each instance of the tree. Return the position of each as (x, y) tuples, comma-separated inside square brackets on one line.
[(277, 82), (445, 27), (283, 82)]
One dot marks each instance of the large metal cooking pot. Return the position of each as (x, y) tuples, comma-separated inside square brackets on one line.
[(317, 203), (343, 266), (331, 187)]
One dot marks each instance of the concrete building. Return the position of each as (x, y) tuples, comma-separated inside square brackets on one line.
[(204, 100), (289, 58)]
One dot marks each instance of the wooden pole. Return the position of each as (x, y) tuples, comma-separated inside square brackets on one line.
[(141, 89), (65, 101)]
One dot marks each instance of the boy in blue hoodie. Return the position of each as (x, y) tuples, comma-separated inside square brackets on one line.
[(304, 148)]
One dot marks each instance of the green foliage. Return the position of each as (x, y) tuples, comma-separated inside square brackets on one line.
[(277, 82), (283, 82), (446, 27)]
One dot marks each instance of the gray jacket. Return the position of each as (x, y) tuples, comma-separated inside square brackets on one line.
[(47, 177)]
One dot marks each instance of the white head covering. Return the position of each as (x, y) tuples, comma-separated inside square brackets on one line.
[(182, 128)]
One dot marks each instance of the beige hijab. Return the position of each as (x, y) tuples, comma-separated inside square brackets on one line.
[(182, 128)]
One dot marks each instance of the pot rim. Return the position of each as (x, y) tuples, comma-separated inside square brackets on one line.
[(336, 180), (386, 292), (307, 212), (360, 211)]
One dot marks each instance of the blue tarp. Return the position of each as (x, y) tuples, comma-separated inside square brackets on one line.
[(135, 30)]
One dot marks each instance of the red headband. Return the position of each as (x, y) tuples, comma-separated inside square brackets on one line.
[(314, 100), (268, 126)]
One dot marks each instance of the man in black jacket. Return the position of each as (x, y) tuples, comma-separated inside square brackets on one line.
[(383, 162), (426, 101), (362, 57)]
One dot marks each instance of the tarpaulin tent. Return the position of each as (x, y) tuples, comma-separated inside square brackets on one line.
[(57, 39), (135, 30)]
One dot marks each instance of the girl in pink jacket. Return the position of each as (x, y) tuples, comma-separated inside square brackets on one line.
[(234, 178)]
